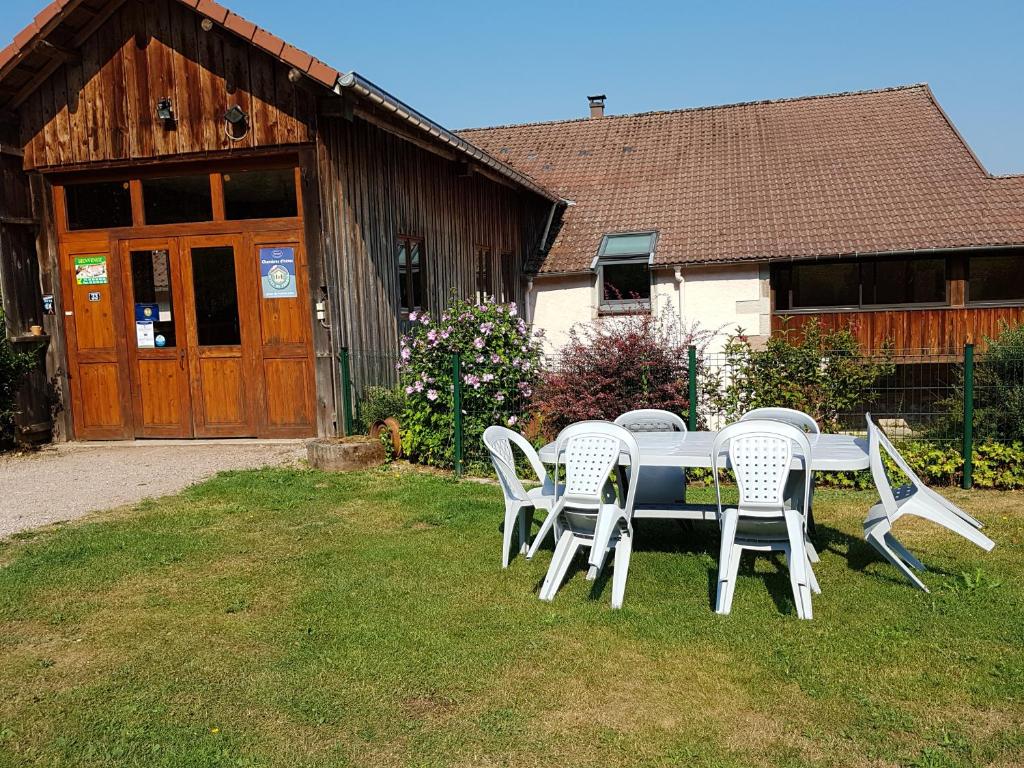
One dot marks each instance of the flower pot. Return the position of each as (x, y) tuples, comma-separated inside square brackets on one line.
[(389, 425)]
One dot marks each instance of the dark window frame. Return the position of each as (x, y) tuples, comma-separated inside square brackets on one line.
[(640, 305), (484, 271), (782, 283), (968, 301), (407, 277)]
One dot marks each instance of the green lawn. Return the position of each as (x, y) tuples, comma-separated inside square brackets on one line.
[(293, 618)]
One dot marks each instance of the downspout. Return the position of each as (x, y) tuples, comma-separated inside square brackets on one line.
[(679, 292)]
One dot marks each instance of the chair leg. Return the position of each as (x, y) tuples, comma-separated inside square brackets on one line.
[(811, 578), (511, 516), (955, 523), (542, 534), (903, 552), (796, 557), (812, 553), (525, 524), (622, 553), (725, 552), (565, 551), (883, 549), (735, 557)]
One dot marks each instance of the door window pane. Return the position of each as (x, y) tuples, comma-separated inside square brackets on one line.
[(213, 283), (410, 273), (178, 199), (484, 279), (154, 303), (260, 194), (98, 205), (834, 284), (996, 278)]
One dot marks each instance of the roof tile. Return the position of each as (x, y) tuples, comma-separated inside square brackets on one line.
[(48, 14), (240, 26), (875, 171), (268, 42), (214, 10), (296, 58), (324, 73)]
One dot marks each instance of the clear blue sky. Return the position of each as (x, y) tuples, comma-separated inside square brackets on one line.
[(469, 64)]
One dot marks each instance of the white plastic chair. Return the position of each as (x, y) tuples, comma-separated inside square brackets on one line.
[(805, 422), (660, 486), (914, 498), (519, 502), (761, 454), (586, 514)]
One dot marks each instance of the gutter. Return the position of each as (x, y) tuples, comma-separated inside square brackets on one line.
[(362, 87)]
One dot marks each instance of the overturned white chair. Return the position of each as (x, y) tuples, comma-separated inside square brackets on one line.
[(761, 456), (795, 485), (519, 502), (586, 514), (913, 498)]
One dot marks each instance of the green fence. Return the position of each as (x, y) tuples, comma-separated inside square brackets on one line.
[(954, 401)]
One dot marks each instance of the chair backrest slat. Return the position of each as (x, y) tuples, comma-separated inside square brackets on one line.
[(651, 420), (792, 416), (499, 442), (761, 454), (590, 451)]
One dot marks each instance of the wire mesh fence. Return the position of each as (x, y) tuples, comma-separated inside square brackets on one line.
[(952, 400)]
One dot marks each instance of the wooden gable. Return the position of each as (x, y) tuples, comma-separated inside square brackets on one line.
[(100, 106)]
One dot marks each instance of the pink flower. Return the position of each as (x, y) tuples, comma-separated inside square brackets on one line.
[(512, 421), (486, 328), (409, 390), (406, 353), (413, 315), (432, 335), (488, 377), (494, 358), (431, 394), (473, 380), (479, 358), (512, 309), (478, 343), (500, 397)]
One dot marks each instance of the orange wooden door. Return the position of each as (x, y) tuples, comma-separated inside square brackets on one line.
[(285, 336), (156, 338), (97, 354), (222, 335)]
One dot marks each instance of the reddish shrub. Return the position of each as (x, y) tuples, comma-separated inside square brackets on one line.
[(618, 365)]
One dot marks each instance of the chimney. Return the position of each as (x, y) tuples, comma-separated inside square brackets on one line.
[(597, 105)]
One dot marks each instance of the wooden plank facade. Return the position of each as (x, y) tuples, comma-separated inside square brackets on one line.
[(228, 360), (933, 331)]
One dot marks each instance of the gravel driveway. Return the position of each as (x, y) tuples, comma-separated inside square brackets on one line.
[(69, 481)]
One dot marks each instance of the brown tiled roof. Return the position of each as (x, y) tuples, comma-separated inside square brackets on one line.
[(868, 172)]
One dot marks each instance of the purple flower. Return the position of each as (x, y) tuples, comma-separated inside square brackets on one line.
[(512, 309), (432, 335), (418, 386), (478, 343), (479, 358), (412, 316), (486, 328), (409, 390), (406, 353), (494, 358), (473, 380), (431, 394), (500, 397), (512, 421), (488, 377)]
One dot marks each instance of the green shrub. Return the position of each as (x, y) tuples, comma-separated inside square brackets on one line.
[(822, 373), (999, 387), (14, 365), (500, 365), (381, 403)]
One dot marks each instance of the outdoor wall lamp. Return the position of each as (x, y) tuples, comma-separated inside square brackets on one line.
[(236, 123), (165, 110)]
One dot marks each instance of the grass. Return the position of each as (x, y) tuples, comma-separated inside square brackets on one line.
[(293, 618)]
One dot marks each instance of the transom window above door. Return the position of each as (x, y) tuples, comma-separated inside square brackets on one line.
[(162, 198)]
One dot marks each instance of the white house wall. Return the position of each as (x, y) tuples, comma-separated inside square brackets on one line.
[(728, 297)]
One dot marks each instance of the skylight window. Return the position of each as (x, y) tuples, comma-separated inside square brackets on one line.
[(623, 266)]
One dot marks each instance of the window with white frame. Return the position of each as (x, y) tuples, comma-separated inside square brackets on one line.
[(623, 266)]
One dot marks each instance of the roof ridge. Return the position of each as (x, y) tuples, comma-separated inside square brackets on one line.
[(756, 102)]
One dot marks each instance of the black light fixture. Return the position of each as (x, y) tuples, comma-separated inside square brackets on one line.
[(237, 127), (165, 110)]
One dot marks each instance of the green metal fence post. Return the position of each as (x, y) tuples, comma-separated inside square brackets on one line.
[(346, 392), (968, 415), (457, 412), (692, 369)]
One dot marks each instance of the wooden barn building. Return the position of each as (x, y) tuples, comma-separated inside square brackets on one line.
[(195, 217)]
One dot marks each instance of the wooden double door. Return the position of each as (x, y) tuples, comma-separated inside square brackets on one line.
[(214, 338)]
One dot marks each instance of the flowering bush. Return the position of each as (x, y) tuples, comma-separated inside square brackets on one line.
[(614, 366), (500, 366)]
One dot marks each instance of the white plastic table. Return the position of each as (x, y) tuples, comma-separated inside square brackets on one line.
[(829, 453)]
